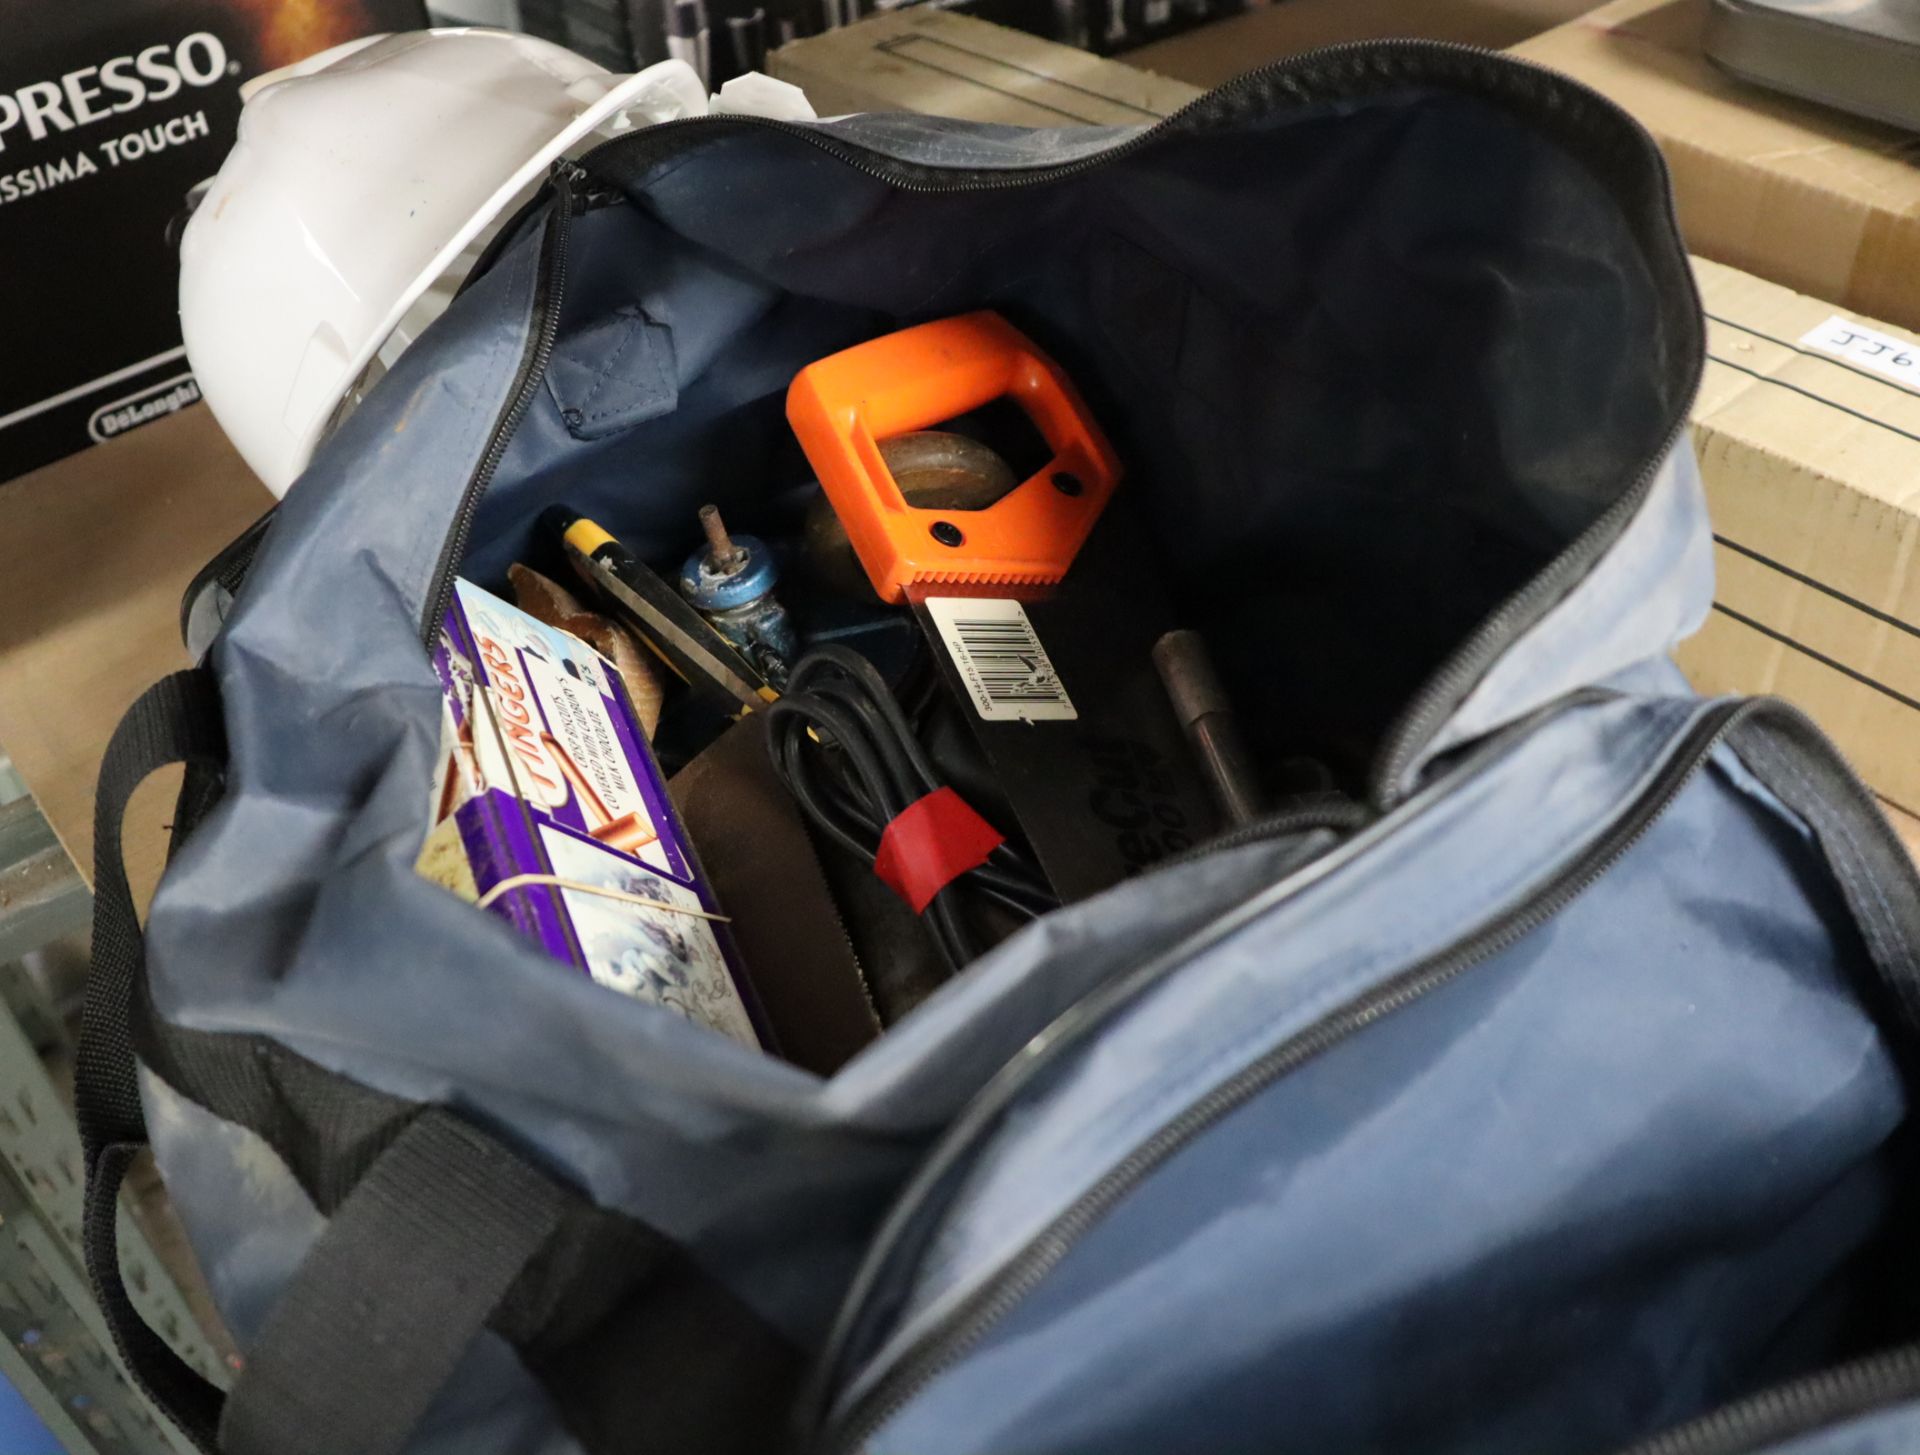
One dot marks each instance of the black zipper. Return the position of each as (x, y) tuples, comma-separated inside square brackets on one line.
[(1348, 71), (1336, 813), (1343, 817), (947, 1343), (533, 367), (1797, 1408), (1443, 692)]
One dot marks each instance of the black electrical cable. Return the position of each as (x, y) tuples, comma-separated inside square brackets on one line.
[(846, 752)]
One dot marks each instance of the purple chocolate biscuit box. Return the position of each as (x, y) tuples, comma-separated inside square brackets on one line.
[(543, 771)]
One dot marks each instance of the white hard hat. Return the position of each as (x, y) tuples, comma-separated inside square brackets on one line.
[(363, 185)]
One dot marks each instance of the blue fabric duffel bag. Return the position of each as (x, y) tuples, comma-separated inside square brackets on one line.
[(1550, 1097)]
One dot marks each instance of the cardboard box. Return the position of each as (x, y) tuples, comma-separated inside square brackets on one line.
[(941, 64), (109, 113), (1222, 50), (1798, 194), (1808, 429)]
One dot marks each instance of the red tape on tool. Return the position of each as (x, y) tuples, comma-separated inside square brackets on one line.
[(930, 843)]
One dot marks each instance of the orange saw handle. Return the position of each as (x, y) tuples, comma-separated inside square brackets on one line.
[(844, 405)]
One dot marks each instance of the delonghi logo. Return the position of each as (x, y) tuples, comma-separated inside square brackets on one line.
[(125, 83), (169, 396)]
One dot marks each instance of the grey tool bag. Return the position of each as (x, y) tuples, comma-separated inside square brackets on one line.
[(1554, 1100)]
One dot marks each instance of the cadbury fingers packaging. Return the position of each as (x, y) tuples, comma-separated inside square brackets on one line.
[(544, 775)]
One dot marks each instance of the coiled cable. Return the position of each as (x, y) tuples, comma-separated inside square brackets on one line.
[(846, 752)]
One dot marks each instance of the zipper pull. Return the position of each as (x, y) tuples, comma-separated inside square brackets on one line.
[(578, 190)]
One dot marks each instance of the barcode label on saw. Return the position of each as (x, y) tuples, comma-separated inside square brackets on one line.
[(1000, 658)]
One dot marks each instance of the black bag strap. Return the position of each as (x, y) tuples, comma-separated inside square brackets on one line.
[(407, 1271), (411, 1263), (1787, 751), (176, 721)]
